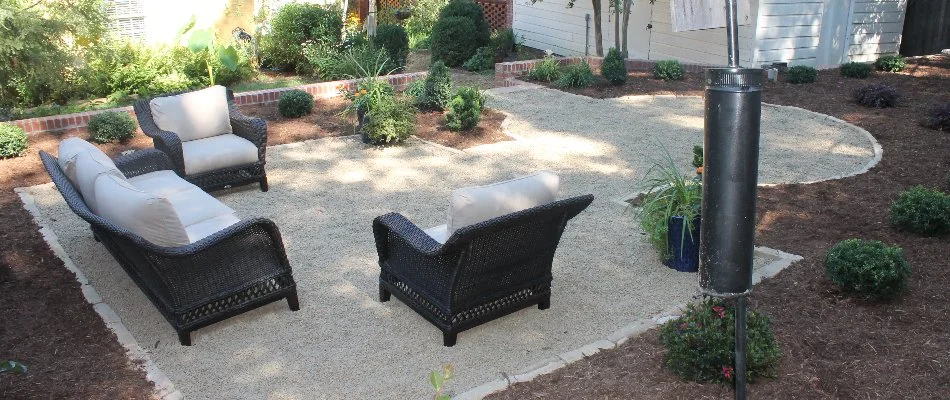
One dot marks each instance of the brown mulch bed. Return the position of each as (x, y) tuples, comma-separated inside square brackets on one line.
[(46, 323), (834, 346)]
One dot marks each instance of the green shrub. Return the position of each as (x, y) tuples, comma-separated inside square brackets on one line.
[(802, 74), (459, 32), (12, 141), (614, 69), (701, 343), (394, 40), (167, 83), (369, 92), (669, 194), (484, 59), (390, 120), (329, 64), (546, 70), (892, 63), (111, 126), (437, 90), (419, 26), (468, 9), (295, 24), (856, 70), (503, 40), (465, 109), (939, 118), (697, 156), (877, 95), (668, 70), (868, 268), (576, 76), (922, 210), (294, 103)]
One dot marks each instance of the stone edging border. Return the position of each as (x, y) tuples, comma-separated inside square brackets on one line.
[(320, 90), (506, 71)]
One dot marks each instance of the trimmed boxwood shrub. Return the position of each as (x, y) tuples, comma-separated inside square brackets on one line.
[(876, 95), (868, 268), (802, 74), (465, 109), (459, 32), (701, 343), (111, 126), (856, 70), (484, 59), (576, 76), (892, 63), (922, 210), (437, 89), (614, 69), (294, 103), (13, 141), (668, 70), (295, 24), (939, 118), (395, 41)]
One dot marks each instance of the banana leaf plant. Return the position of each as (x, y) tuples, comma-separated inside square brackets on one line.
[(205, 40)]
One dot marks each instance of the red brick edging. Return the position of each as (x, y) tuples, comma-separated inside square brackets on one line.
[(318, 90), (505, 71)]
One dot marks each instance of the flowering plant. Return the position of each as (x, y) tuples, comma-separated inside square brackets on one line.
[(368, 92)]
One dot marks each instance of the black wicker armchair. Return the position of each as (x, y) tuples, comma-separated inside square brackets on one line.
[(482, 272), (227, 273), (251, 129)]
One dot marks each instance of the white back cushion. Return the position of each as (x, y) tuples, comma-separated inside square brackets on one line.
[(88, 167), (150, 216), (66, 155), (469, 206), (193, 115)]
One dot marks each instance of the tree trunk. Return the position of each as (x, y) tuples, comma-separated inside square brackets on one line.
[(616, 24), (626, 24), (598, 30)]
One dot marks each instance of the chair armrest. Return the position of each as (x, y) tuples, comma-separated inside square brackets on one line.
[(142, 162), (165, 141), (252, 129), (408, 232)]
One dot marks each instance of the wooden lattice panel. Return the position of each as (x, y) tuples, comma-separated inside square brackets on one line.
[(496, 12)]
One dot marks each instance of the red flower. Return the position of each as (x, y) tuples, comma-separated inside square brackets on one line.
[(683, 326), (720, 310), (727, 372)]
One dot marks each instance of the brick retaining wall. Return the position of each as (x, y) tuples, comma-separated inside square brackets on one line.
[(506, 71), (320, 90)]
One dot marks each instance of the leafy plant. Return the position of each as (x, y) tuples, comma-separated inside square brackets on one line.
[(390, 120), (460, 30), (891, 63), (111, 126), (614, 69), (503, 40), (877, 95), (802, 74), (394, 40), (700, 344), (13, 141), (437, 89), (369, 92), (295, 24), (205, 41), (438, 379), (294, 103), (855, 70), (670, 194), (868, 267), (576, 76), (419, 25), (465, 109), (329, 64), (484, 59), (922, 210), (668, 70), (546, 70), (939, 118), (698, 156), (13, 367)]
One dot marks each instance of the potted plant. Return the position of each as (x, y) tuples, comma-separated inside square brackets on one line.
[(368, 92), (670, 215)]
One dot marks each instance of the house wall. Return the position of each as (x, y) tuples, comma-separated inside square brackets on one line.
[(707, 46), (789, 31), (876, 27), (550, 25)]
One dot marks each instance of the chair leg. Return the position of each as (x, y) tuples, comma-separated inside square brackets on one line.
[(545, 303), (264, 186), (384, 294), (184, 337), (293, 302), (448, 339)]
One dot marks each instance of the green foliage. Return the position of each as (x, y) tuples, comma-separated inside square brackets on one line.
[(576, 76), (614, 69), (438, 379), (939, 118), (922, 210), (802, 74), (111, 126), (465, 109), (546, 70), (484, 59), (877, 95), (503, 40), (329, 64), (295, 24), (868, 268), (394, 40), (419, 25), (668, 70), (12, 367), (205, 42), (856, 70), (460, 30), (697, 156), (892, 63), (437, 89), (701, 343), (294, 103), (468, 9), (368, 93), (390, 120), (670, 194), (13, 141)]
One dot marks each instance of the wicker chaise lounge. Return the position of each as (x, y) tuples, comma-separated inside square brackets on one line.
[(477, 273), (223, 273)]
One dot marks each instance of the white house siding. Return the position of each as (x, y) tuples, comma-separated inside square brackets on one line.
[(876, 27), (789, 31), (706, 46), (550, 25)]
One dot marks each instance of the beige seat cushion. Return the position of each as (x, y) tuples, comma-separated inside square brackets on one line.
[(194, 115), (471, 205), (69, 149), (87, 167), (145, 214), (208, 227), (192, 205), (217, 152), (439, 233)]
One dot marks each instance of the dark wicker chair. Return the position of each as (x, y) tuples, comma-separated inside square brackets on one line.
[(482, 272), (252, 129), (232, 271)]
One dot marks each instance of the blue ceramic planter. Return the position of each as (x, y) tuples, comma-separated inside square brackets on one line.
[(684, 249)]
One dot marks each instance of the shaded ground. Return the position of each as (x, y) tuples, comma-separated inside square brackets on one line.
[(833, 345)]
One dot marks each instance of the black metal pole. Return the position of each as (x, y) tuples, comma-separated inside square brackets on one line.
[(732, 32)]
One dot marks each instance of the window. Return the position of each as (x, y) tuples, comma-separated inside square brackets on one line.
[(126, 18)]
